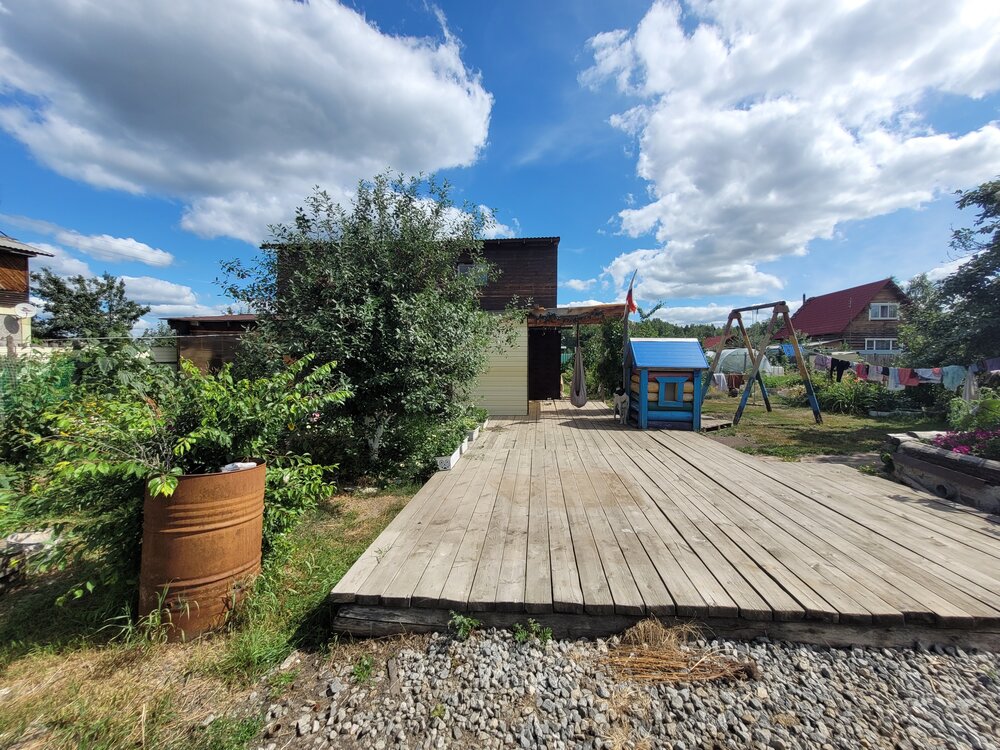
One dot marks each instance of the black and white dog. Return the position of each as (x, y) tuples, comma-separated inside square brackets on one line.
[(621, 406)]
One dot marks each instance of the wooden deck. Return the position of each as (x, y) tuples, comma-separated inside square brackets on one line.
[(569, 518)]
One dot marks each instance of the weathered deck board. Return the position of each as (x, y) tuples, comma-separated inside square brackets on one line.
[(563, 513)]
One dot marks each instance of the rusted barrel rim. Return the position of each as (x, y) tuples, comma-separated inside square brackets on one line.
[(260, 462)]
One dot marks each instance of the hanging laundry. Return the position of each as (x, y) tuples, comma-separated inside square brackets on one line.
[(952, 377), (894, 384), (861, 370), (821, 362), (908, 377), (719, 381), (839, 366), (971, 390), (928, 374)]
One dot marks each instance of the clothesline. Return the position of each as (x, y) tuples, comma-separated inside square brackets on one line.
[(952, 377)]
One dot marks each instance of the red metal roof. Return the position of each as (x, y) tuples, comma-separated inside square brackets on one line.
[(831, 313)]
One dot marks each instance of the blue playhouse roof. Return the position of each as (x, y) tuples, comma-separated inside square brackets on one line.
[(677, 354)]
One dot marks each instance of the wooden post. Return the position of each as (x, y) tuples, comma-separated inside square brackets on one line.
[(756, 370), (695, 405), (749, 346), (800, 361), (718, 351)]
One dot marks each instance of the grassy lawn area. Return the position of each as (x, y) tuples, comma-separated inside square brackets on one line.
[(790, 432), (73, 677)]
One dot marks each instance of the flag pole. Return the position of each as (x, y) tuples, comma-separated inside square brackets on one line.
[(629, 306)]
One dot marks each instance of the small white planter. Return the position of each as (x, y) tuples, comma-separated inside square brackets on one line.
[(486, 423), (473, 435), (447, 463), (464, 446)]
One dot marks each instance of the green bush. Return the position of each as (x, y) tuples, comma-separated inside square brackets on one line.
[(982, 414), (98, 450)]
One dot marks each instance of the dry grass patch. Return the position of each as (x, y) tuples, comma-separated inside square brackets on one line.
[(119, 696), (652, 652)]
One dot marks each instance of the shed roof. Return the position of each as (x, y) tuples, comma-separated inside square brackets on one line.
[(17, 247), (230, 318), (677, 354)]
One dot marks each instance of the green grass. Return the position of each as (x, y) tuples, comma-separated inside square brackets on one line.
[(791, 432), (115, 694)]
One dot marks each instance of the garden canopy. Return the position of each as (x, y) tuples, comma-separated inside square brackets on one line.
[(740, 360)]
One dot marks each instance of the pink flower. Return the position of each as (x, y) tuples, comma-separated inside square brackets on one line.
[(960, 449)]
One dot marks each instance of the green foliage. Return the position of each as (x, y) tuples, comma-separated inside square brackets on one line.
[(83, 307), (439, 711), (534, 631), (363, 668), (463, 625), (982, 414), (957, 320), (227, 733), (107, 440), (375, 287)]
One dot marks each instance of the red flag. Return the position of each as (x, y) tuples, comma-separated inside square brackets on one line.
[(629, 301)]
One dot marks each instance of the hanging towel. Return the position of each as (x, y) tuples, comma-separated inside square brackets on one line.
[(578, 390), (821, 362), (894, 384), (719, 381), (861, 370), (971, 390), (908, 377), (928, 374), (952, 377)]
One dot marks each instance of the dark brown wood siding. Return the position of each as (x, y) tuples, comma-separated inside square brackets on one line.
[(862, 328), (13, 279), (527, 269), (544, 348)]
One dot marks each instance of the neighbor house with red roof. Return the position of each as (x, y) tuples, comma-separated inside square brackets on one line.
[(862, 318)]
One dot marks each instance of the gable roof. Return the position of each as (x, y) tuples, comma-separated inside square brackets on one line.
[(676, 354), (833, 312)]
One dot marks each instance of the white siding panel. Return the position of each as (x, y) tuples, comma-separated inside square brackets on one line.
[(503, 388)]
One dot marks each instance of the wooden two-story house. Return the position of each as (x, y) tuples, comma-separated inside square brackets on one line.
[(862, 318)]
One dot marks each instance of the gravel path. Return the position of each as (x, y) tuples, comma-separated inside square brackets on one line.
[(491, 692)]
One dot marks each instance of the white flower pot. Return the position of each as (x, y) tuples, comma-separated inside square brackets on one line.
[(447, 463)]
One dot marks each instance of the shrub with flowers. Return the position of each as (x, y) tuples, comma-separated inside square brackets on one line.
[(984, 443)]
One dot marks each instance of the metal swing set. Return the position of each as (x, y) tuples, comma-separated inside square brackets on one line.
[(779, 310)]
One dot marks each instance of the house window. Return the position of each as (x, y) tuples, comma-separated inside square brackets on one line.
[(883, 311), (476, 270), (881, 345)]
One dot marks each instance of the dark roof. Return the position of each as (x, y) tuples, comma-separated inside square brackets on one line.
[(513, 240), (677, 354), (17, 247), (231, 318), (833, 312)]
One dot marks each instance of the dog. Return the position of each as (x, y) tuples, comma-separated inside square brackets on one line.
[(621, 406)]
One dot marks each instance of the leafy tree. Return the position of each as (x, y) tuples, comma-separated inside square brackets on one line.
[(957, 320), (82, 307), (375, 286)]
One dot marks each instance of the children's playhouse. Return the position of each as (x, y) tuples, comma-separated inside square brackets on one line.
[(665, 383)]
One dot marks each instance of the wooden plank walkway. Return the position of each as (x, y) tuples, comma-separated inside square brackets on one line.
[(570, 518)]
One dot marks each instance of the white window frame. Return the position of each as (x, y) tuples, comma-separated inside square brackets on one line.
[(870, 344), (875, 311)]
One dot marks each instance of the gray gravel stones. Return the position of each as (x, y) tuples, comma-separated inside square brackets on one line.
[(491, 692)]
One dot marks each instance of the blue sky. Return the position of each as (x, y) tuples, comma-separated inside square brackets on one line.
[(733, 152)]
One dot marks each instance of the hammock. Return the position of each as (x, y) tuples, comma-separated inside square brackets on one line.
[(578, 389)]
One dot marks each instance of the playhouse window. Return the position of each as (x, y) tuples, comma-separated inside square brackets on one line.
[(671, 391)]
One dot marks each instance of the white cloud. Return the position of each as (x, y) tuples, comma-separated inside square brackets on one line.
[(947, 269), (147, 290), (587, 303), (713, 313), (579, 285), (237, 107), (764, 126), (61, 262), (496, 230), (100, 246)]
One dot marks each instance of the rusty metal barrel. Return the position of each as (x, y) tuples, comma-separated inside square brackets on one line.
[(201, 549)]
